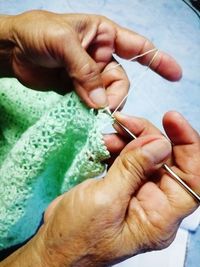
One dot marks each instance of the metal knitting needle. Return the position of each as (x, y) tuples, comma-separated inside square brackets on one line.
[(166, 168)]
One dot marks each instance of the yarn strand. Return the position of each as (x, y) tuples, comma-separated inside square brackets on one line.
[(139, 78)]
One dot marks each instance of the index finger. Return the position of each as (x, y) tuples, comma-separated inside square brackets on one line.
[(129, 44), (138, 126)]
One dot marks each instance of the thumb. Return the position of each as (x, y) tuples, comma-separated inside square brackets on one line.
[(136, 162), (85, 74)]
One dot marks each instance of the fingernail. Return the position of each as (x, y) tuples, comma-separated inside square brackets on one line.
[(120, 115), (98, 96), (158, 150)]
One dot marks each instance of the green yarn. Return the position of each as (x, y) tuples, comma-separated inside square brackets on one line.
[(48, 144)]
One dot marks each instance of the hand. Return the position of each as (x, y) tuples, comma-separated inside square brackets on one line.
[(104, 221), (45, 50)]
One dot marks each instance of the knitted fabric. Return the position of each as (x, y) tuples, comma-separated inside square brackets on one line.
[(48, 144)]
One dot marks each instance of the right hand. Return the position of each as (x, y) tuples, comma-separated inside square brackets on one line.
[(100, 222)]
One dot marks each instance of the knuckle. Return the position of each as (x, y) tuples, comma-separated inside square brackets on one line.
[(145, 125), (92, 190), (102, 18), (131, 168), (145, 122), (61, 34), (54, 36), (86, 73), (102, 201), (145, 45), (118, 71)]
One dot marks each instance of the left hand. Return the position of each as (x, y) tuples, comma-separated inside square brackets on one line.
[(45, 50)]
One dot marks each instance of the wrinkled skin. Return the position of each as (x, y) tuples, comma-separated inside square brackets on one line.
[(46, 50), (100, 222), (136, 207)]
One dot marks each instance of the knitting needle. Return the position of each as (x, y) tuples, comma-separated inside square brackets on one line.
[(166, 168)]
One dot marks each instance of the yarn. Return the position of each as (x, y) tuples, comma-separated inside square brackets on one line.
[(139, 78), (48, 144)]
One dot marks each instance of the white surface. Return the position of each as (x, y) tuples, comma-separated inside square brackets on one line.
[(173, 256), (192, 222)]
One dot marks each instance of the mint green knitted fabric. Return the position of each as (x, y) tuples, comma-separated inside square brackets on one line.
[(48, 144)]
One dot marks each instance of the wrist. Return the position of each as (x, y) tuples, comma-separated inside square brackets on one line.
[(6, 45), (32, 254), (66, 251)]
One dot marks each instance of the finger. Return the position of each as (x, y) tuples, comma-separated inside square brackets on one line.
[(186, 154), (129, 44), (138, 126), (85, 74), (114, 143), (186, 148), (149, 195), (179, 130), (116, 83), (135, 163)]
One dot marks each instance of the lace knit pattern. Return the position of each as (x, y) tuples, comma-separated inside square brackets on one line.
[(48, 144)]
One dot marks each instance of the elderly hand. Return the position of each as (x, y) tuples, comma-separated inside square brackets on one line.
[(135, 208), (45, 50)]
